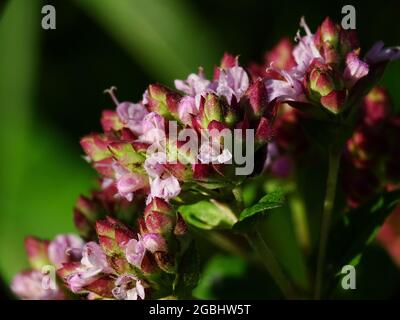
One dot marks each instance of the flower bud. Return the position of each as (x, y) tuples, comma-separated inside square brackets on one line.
[(365, 148), (281, 55), (263, 132), (159, 217), (324, 86), (210, 109), (125, 153), (96, 146), (329, 32), (110, 121), (37, 251), (163, 100), (113, 235), (255, 99)]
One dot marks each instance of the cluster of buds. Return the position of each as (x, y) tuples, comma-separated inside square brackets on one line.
[(141, 151), (288, 142), (323, 69), (121, 264)]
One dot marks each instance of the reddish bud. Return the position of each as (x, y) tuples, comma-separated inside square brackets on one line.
[(281, 55), (376, 106), (110, 121), (256, 100), (37, 252), (263, 131), (159, 216), (163, 100), (125, 154), (96, 146), (210, 109)]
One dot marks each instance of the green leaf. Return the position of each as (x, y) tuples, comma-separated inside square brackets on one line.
[(208, 215), (357, 229), (270, 201)]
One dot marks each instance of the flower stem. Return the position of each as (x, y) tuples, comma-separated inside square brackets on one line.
[(334, 160), (260, 247)]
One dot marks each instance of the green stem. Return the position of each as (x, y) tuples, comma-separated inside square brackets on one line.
[(260, 247), (334, 160), (300, 222)]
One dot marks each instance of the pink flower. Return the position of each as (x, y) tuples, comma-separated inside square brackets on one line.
[(129, 183), (305, 51), (153, 129), (195, 85), (288, 88), (154, 242), (232, 82), (154, 164), (132, 115), (135, 251), (164, 188), (93, 263), (187, 108), (211, 153), (29, 285), (128, 287), (379, 54), (355, 69), (65, 248)]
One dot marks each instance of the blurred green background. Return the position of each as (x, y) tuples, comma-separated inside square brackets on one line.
[(52, 82)]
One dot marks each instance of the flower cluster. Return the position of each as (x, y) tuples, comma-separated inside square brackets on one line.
[(135, 151), (122, 264), (172, 148), (323, 69)]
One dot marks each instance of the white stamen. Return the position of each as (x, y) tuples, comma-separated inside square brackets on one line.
[(112, 95)]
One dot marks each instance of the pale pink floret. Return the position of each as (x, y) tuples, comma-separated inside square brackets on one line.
[(162, 184), (165, 188), (210, 152), (286, 89), (132, 115), (135, 251), (154, 164), (186, 109), (195, 85), (153, 129), (33, 285), (355, 69), (129, 183), (305, 51), (65, 248), (128, 287), (232, 82), (154, 242), (93, 264)]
